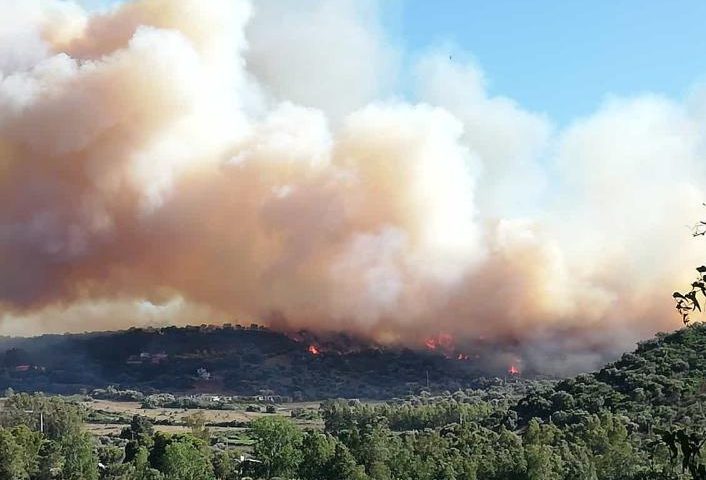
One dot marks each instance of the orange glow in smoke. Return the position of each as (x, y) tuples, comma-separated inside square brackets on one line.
[(513, 370), (314, 350), (442, 341)]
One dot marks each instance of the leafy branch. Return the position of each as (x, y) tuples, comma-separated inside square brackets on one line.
[(699, 230), (690, 445), (688, 302)]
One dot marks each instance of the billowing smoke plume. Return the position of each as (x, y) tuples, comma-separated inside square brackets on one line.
[(189, 161)]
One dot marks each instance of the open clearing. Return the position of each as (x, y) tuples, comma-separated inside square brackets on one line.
[(174, 416)]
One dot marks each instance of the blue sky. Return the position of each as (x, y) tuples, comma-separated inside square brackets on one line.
[(564, 57), (559, 57)]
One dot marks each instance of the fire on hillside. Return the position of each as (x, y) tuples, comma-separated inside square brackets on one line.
[(493, 357)]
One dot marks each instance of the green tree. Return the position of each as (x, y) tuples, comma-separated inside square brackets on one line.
[(373, 451), (140, 430), (12, 461), (80, 460), (51, 460), (197, 423), (542, 463), (318, 450), (277, 446), (226, 464), (30, 442), (142, 468), (343, 465), (187, 458), (112, 457), (54, 415)]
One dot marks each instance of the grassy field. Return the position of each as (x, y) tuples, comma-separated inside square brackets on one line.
[(111, 416)]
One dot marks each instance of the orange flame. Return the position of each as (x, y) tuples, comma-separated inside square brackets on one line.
[(513, 370), (314, 350), (443, 341)]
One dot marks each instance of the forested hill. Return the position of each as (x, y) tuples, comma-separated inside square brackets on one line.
[(662, 381), (638, 418), (663, 377), (232, 359)]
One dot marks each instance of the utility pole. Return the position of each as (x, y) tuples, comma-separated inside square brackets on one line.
[(41, 419)]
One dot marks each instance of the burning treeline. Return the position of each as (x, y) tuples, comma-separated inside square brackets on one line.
[(493, 357), (168, 161)]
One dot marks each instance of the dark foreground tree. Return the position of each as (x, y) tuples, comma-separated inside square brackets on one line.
[(687, 302)]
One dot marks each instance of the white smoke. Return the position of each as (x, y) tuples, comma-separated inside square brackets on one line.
[(233, 160)]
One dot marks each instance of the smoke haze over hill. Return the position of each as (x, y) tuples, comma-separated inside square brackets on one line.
[(189, 161)]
